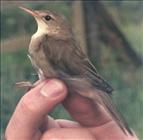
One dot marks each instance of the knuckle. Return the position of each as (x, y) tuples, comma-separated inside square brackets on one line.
[(27, 105)]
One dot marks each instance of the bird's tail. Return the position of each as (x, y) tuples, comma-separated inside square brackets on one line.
[(106, 102), (83, 88)]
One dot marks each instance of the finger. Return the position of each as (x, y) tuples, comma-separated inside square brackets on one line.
[(85, 111), (33, 107), (111, 131), (68, 134), (48, 123), (68, 124)]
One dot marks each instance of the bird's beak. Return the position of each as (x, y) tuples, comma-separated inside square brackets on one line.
[(30, 11)]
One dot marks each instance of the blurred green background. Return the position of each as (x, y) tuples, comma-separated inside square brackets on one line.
[(125, 77)]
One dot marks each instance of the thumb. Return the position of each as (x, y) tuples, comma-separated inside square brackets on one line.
[(41, 100), (34, 106)]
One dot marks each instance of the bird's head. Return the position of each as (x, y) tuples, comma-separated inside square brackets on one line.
[(51, 23)]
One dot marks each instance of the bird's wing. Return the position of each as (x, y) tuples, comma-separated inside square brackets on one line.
[(67, 56)]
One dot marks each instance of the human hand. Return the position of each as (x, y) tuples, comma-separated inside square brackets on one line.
[(30, 121)]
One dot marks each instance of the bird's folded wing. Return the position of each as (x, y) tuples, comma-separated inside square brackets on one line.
[(67, 56)]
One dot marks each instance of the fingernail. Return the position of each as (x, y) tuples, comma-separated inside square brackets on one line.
[(52, 89)]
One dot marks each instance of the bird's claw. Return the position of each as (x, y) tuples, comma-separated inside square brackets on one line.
[(24, 84)]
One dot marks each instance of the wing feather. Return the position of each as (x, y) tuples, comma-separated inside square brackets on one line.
[(68, 57), (71, 62)]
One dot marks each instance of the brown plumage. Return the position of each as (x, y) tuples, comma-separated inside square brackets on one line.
[(54, 52)]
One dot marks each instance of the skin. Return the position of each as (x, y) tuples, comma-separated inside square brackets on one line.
[(30, 122)]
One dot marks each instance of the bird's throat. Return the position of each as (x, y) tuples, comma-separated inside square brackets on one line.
[(42, 29), (40, 32)]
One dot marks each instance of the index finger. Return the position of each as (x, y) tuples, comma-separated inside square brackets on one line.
[(85, 111)]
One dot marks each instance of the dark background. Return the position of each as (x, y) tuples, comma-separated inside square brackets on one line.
[(111, 32)]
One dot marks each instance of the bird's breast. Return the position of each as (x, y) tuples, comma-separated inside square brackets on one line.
[(39, 58)]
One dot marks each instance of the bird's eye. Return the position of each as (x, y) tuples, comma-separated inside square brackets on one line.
[(48, 17)]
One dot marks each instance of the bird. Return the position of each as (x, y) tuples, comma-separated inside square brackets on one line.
[(55, 52)]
